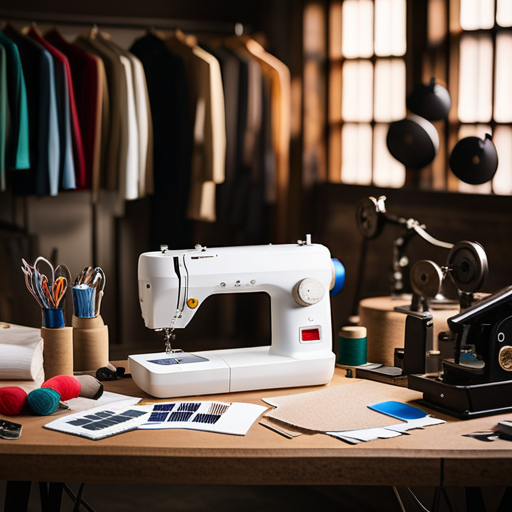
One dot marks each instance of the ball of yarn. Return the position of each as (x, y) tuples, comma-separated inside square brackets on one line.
[(12, 400), (67, 386), (43, 401)]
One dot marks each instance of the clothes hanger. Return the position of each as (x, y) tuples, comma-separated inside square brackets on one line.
[(94, 31)]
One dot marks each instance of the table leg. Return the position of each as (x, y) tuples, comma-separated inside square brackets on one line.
[(474, 499), (51, 496), (506, 501), (17, 496)]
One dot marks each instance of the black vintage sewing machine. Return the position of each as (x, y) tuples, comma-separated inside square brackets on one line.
[(477, 381)]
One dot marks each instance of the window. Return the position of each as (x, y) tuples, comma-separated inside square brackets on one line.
[(374, 63), (367, 84), (481, 41)]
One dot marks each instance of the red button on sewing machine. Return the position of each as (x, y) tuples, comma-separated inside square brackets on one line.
[(310, 334)]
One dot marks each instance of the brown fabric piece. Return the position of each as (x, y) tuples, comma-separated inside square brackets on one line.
[(339, 408)]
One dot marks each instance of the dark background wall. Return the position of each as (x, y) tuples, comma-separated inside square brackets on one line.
[(327, 211), (448, 217)]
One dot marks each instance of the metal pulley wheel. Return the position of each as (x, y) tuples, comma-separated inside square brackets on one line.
[(468, 266), (369, 218), (426, 279)]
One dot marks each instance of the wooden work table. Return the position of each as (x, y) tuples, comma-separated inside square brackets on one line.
[(435, 456)]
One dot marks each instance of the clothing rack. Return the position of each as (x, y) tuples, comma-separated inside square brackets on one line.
[(126, 24), (123, 21)]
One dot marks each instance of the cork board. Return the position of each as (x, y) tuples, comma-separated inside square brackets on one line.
[(340, 407)]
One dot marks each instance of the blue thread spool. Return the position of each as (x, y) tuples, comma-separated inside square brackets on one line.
[(84, 298), (339, 276), (53, 318), (352, 346)]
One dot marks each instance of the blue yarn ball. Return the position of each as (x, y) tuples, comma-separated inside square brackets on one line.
[(43, 401)]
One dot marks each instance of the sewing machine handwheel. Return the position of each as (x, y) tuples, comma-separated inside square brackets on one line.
[(468, 266), (426, 279), (308, 291), (369, 219)]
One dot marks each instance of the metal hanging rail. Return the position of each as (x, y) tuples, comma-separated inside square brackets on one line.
[(122, 21)]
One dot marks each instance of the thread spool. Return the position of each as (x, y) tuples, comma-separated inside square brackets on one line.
[(90, 387), (90, 344), (84, 298), (53, 318), (386, 328), (57, 351), (352, 346)]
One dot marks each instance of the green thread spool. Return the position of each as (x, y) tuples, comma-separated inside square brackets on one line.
[(352, 346)]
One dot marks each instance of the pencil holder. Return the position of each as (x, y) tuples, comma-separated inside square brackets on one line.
[(90, 344), (57, 351)]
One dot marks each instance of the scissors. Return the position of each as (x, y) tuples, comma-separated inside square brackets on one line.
[(48, 291), (59, 288)]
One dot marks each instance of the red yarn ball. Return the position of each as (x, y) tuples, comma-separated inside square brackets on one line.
[(12, 400), (67, 386)]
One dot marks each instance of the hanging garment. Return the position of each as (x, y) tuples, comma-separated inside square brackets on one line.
[(43, 176), (143, 179), (129, 148), (63, 88), (248, 204), (234, 87), (209, 129), (17, 153), (277, 76), (76, 131), (114, 74), (243, 200), (104, 115), (172, 141), (4, 114), (88, 77)]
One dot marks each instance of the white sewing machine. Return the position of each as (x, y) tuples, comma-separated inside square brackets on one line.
[(297, 277)]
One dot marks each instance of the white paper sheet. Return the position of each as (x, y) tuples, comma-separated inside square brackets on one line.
[(419, 423), (224, 418), (366, 434), (83, 404), (369, 434), (104, 421)]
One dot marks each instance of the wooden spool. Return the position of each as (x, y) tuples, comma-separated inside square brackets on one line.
[(386, 327)]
